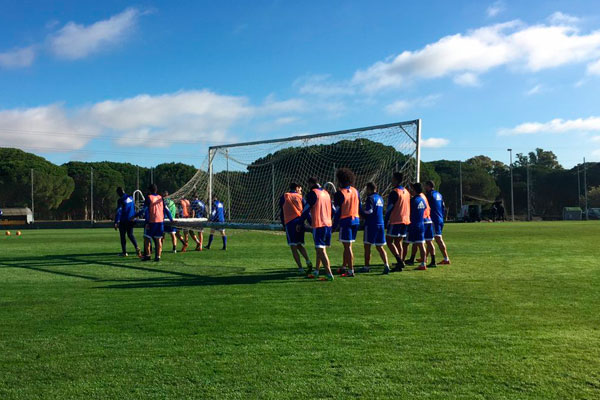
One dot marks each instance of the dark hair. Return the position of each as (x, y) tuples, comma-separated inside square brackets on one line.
[(165, 193), (345, 176), (417, 187), (153, 188), (372, 186), (430, 183), (120, 191), (294, 186), (313, 180), (398, 176)]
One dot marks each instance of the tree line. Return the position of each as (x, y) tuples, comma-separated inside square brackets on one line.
[(62, 192)]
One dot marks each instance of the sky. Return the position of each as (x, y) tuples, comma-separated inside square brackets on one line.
[(160, 81)]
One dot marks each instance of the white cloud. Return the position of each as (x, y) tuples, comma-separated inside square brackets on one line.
[(46, 127), (467, 79), (434, 143), (22, 57), (534, 90), (590, 124), (401, 106), (155, 120), (272, 105), (559, 18), (320, 85), (513, 44), (75, 41), (496, 8), (594, 68), (595, 139)]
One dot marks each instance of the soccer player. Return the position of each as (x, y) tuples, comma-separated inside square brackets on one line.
[(291, 205), (217, 215), (438, 214), (397, 219), (374, 227), (199, 210), (125, 221), (156, 211), (416, 229), (318, 209), (346, 203), (170, 229), (185, 211), (429, 235)]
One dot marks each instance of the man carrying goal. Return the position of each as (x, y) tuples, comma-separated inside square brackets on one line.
[(217, 215), (291, 205)]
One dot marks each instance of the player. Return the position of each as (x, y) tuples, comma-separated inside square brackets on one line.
[(156, 210), (217, 215), (125, 221), (346, 203), (291, 205), (185, 211), (318, 209), (416, 229), (199, 210), (438, 214), (428, 229), (170, 229), (397, 219), (374, 227)]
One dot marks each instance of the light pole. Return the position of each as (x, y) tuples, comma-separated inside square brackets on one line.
[(512, 193)]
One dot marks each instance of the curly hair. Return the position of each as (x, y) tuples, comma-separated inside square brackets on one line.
[(345, 177)]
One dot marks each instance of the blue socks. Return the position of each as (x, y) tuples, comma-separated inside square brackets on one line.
[(224, 242)]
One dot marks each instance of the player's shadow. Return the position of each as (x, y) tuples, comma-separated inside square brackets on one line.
[(204, 280)]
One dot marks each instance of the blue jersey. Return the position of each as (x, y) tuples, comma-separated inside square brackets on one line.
[(125, 209), (373, 210), (218, 212), (417, 210), (436, 204), (199, 208)]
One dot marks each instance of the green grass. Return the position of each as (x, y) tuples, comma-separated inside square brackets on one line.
[(515, 316)]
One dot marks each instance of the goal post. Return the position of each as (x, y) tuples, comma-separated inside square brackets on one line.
[(250, 177)]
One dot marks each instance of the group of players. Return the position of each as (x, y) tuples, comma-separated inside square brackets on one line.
[(156, 209), (414, 215)]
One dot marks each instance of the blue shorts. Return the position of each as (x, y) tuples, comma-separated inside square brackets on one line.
[(322, 237), (397, 230), (170, 229), (375, 235), (348, 233), (429, 232), (416, 234), (293, 236), (155, 230), (438, 228)]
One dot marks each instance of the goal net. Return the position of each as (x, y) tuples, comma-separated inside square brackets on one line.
[(249, 178)]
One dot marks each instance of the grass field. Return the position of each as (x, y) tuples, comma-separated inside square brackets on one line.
[(517, 315)]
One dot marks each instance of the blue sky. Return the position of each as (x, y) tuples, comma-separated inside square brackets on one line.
[(156, 81)]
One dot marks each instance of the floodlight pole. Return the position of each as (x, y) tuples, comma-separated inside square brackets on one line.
[(578, 188), (273, 188), (228, 187), (528, 196), (418, 152), (512, 192), (32, 202), (460, 185), (92, 195), (585, 191)]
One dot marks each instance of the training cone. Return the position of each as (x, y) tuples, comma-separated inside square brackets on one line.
[(18, 233), (7, 233)]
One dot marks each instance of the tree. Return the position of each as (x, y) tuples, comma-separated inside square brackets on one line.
[(540, 158), (594, 197)]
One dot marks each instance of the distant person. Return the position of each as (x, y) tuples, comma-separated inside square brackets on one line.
[(346, 215), (291, 205), (217, 215), (155, 210), (397, 219), (416, 228), (199, 211), (438, 216), (501, 211), (318, 209), (374, 234), (185, 211), (125, 221), (171, 229)]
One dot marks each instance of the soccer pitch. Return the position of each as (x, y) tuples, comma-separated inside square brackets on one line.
[(515, 316)]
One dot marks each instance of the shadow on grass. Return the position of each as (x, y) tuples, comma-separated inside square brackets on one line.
[(174, 278)]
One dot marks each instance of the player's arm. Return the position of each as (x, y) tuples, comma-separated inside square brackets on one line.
[(338, 200), (281, 202), (443, 210), (167, 212), (311, 199), (369, 207), (392, 199)]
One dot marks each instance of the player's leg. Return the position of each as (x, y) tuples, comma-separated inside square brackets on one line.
[(384, 258), (132, 239), (421, 247), (147, 243), (349, 258), (367, 255), (210, 238), (158, 243), (200, 239), (122, 234), (302, 250), (430, 253), (438, 229), (296, 255), (224, 237), (194, 238), (322, 254)]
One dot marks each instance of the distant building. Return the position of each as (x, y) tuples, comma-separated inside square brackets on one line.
[(16, 216)]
